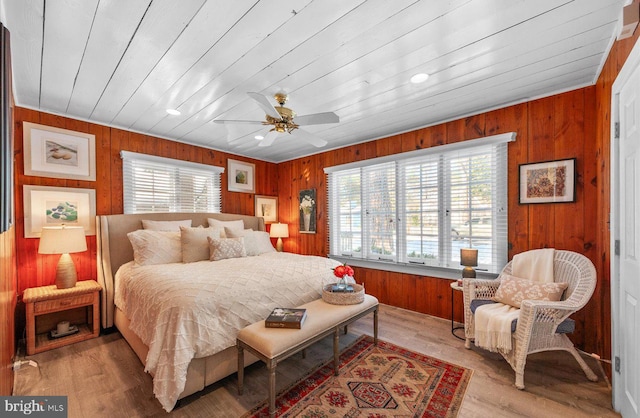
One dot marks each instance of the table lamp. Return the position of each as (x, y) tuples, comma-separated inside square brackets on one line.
[(469, 259), (63, 240), (279, 231)]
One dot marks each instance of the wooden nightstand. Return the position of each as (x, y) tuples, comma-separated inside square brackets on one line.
[(48, 305)]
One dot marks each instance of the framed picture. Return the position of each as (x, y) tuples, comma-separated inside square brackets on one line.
[(548, 182), (58, 153), (51, 206), (241, 176), (267, 207), (307, 202)]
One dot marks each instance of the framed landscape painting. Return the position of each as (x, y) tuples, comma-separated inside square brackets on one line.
[(548, 182)]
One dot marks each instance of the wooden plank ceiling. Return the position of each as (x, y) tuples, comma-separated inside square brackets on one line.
[(123, 63)]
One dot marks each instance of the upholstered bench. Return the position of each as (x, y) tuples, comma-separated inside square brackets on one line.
[(272, 345)]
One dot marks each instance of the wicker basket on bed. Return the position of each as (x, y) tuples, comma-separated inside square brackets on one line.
[(343, 298)]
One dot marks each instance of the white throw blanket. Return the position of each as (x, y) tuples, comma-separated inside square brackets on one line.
[(493, 326), (493, 321), (536, 265)]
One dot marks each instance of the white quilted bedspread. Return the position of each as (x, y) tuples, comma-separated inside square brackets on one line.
[(181, 311)]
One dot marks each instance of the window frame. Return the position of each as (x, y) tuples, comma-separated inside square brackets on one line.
[(177, 173), (402, 262)]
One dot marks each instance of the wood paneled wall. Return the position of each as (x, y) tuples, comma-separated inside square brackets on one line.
[(557, 127), (573, 124), (8, 291), (39, 270)]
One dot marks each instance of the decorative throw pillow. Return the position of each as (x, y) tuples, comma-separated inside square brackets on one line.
[(155, 247), (235, 225), (513, 290), (165, 225), (195, 245), (222, 248)]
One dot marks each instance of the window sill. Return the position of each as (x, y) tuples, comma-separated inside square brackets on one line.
[(416, 269)]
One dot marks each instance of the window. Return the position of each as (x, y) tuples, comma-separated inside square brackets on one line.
[(420, 208), (156, 184)]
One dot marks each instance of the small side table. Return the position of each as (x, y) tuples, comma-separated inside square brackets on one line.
[(455, 288), (48, 305)]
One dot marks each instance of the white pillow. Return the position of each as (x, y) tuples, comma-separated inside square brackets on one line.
[(195, 246), (235, 225), (155, 247), (165, 225), (255, 242), (226, 248)]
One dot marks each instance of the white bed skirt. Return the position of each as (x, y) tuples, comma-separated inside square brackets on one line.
[(201, 372)]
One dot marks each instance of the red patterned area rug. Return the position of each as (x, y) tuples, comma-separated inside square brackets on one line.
[(375, 382)]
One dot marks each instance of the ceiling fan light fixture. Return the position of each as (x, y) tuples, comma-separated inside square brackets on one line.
[(173, 112), (259, 137), (419, 78)]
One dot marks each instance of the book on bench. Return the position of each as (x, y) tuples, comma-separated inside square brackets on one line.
[(286, 318)]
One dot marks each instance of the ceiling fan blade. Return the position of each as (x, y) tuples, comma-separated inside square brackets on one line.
[(265, 104), (314, 140), (316, 119), (246, 122), (268, 139)]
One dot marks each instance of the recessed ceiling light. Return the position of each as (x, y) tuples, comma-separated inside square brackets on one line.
[(419, 78), (173, 112), (259, 137)]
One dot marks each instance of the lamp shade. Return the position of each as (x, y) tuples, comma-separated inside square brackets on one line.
[(279, 230), (62, 240), (468, 257)]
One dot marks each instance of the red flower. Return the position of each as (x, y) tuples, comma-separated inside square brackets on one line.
[(343, 270)]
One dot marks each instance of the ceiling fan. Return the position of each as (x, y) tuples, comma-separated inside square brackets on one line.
[(284, 120)]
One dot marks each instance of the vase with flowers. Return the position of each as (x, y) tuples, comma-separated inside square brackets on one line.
[(345, 274)]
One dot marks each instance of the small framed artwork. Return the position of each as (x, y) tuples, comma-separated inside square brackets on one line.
[(58, 153), (241, 176), (548, 182), (51, 206), (307, 211), (267, 207)]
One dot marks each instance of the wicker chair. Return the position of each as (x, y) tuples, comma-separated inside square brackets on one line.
[(537, 326)]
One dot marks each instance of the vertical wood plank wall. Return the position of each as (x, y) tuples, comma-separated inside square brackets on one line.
[(39, 270), (573, 124)]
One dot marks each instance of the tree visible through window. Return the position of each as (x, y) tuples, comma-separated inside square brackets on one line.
[(422, 210)]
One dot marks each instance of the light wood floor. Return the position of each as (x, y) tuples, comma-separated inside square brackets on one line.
[(104, 378)]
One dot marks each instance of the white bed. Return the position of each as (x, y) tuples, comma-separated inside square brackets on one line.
[(247, 288)]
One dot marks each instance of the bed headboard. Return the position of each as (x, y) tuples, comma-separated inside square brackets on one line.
[(114, 248)]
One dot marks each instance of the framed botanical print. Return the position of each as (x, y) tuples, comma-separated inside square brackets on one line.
[(267, 207), (307, 201), (53, 206), (241, 176)]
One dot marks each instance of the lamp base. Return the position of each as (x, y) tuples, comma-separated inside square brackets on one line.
[(468, 273), (66, 275), (279, 245)]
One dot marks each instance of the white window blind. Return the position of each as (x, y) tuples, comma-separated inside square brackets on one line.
[(157, 184), (421, 208)]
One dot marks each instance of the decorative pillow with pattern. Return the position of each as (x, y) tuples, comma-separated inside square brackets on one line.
[(237, 225), (165, 225), (222, 248), (255, 242), (195, 245), (155, 247), (513, 290)]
